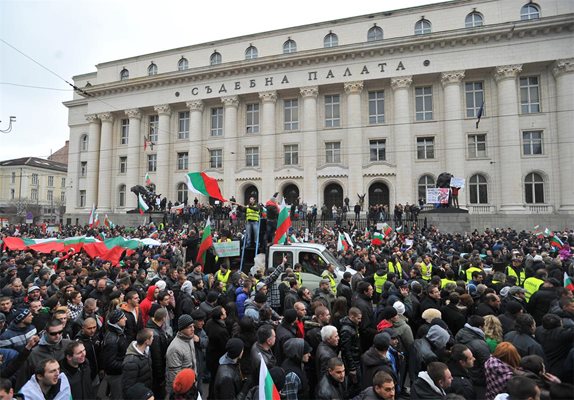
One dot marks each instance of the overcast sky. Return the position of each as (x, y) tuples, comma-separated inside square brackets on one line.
[(69, 37)]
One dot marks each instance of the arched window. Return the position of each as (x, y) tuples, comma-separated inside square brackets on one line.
[(478, 189), (331, 40), (182, 64), (84, 143), (529, 11), (182, 193), (251, 53), (534, 188), (152, 69), (125, 74), (290, 193), (215, 58), (250, 191), (333, 195), (425, 182), (473, 19), (122, 196), (422, 27), (378, 194), (375, 33), (289, 46)]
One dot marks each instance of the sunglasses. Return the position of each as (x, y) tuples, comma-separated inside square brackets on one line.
[(55, 333)]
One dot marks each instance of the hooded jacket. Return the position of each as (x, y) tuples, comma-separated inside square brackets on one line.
[(15, 337), (145, 305), (330, 389), (372, 363), (461, 382), (404, 331), (424, 351), (295, 378), (114, 350), (473, 338), (525, 344), (424, 388), (227, 384), (180, 354), (60, 391), (80, 380), (158, 350), (556, 343), (136, 368)]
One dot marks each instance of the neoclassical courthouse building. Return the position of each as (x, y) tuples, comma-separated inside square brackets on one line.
[(376, 104)]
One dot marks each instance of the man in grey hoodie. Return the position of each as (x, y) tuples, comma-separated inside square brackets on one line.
[(427, 350)]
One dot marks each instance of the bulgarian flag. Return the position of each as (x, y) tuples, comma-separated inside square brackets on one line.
[(568, 282), (387, 230), (366, 233), (283, 224), (142, 205), (293, 239), (342, 244), (201, 183), (377, 239), (206, 242), (267, 389), (147, 179), (556, 242), (92, 219)]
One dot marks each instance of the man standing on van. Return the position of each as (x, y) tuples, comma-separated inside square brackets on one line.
[(252, 222)]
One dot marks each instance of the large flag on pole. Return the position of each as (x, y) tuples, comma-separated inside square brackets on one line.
[(480, 112), (568, 282), (342, 244), (147, 179), (201, 183), (142, 205), (556, 242), (267, 389), (283, 224), (206, 242), (92, 219)]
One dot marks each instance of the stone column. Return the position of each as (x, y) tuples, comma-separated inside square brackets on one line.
[(563, 73), (195, 134), (308, 147), (354, 140), (134, 147), (510, 170), (163, 156), (404, 146), (106, 163), (267, 151), (230, 150), (454, 136), (92, 161)]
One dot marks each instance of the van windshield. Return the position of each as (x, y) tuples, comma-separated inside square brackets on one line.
[(329, 257)]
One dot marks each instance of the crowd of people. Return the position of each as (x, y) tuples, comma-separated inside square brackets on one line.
[(426, 315)]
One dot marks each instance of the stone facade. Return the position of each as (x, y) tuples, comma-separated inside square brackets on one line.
[(382, 113)]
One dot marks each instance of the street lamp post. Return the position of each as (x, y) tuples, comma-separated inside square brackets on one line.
[(7, 130)]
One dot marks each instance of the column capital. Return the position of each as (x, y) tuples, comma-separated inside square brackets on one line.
[(451, 77), (561, 67), (134, 113), (309, 91), (92, 118), (401, 82), (230, 101), (353, 87), (106, 117), (163, 109), (503, 72), (268, 97), (195, 105)]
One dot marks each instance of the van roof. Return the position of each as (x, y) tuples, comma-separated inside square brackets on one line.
[(317, 246)]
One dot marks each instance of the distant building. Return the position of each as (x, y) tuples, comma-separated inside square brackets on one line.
[(61, 155), (32, 185), (377, 104)]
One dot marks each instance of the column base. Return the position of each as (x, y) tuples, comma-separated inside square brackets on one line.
[(512, 209), (566, 209)]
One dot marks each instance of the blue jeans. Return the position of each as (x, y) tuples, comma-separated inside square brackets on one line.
[(251, 232)]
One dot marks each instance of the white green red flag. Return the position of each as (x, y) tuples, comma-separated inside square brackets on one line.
[(342, 244), (556, 242), (377, 239), (348, 239), (293, 239), (387, 230), (92, 219), (283, 224), (267, 389), (142, 205), (201, 183), (367, 234), (206, 243), (147, 179), (568, 282)]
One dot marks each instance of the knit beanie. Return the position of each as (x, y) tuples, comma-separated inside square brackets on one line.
[(382, 341), (22, 314), (160, 285), (184, 321), (290, 316), (234, 347), (400, 307), (260, 297), (139, 392), (389, 312), (115, 316), (430, 314), (184, 381)]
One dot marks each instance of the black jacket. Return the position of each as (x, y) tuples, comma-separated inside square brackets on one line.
[(428, 302), (422, 390), (368, 394), (322, 356), (344, 290), (454, 318), (137, 369), (525, 344), (114, 350), (330, 389), (484, 309), (158, 350), (93, 351), (350, 345), (218, 337), (367, 326), (479, 348), (508, 321), (421, 354), (540, 302), (372, 363), (227, 383), (556, 344), (80, 380), (284, 332), (461, 382)]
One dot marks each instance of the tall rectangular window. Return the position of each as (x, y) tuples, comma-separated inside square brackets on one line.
[(182, 161), (123, 165), (63, 182), (50, 180), (63, 197), (474, 95), (477, 146), (529, 95), (12, 194), (82, 198), (216, 158), (125, 131), (217, 121), (333, 152), (83, 168), (252, 156), (252, 118), (183, 131), (50, 195), (13, 178), (291, 152), (377, 107), (291, 114), (153, 128), (152, 162), (425, 148), (378, 149), (332, 111), (35, 179), (423, 103), (532, 143), (34, 194)]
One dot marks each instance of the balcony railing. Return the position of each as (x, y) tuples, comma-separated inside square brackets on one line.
[(481, 209), (540, 209)]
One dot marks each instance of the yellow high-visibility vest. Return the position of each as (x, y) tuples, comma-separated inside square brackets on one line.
[(469, 273), (327, 275), (298, 276), (426, 271), (219, 277), (379, 282), (251, 214), (520, 278), (531, 286), (397, 268), (444, 282)]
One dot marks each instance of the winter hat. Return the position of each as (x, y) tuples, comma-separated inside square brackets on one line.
[(259, 286), (504, 291), (184, 321), (139, 392), (198, 315), (260, 298), (160, 285), (234, 347), (430, 314), (400, 307), (184, 381), (21, 315), (389, 312), (401, 283), (290, 316), (513, 307), (515, 290), (278, 375), (382, 341), (187, 287), (115, 316), (32, 288)]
